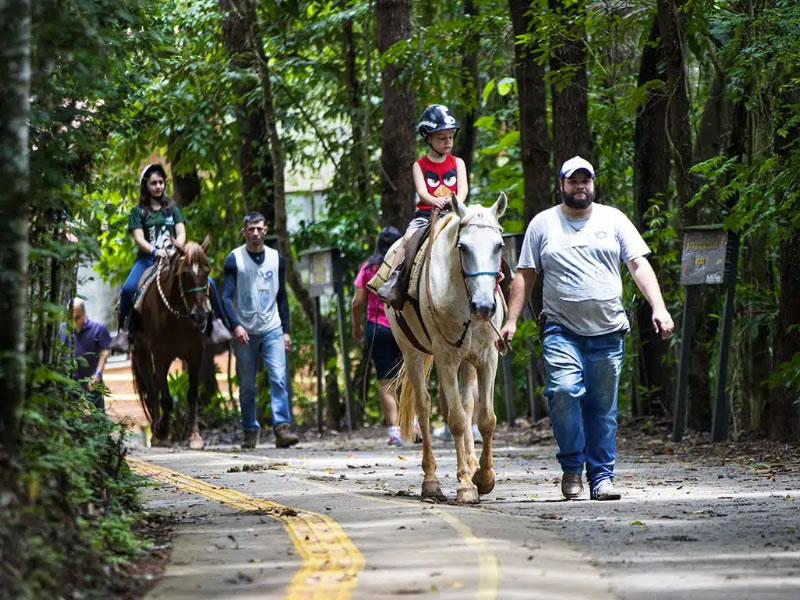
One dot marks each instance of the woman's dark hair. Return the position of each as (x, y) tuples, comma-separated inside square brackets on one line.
[(144, 193), (387, 237)]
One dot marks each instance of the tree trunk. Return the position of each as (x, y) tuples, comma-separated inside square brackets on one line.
[(570, 84), (671, 20), (534, 133), (15, 89), (256, 173), (246, 10), (757, 357), (359, 154), (470, 94), (393, 21), (651, 183), (783, 408)]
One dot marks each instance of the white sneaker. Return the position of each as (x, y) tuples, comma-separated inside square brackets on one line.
[(605, 490), (443, 433), (476, 434)]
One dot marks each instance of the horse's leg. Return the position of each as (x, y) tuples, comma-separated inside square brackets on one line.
[(467, 387), (162, 389), (467, 493), (195, 440), (415, 377), (484, 476)]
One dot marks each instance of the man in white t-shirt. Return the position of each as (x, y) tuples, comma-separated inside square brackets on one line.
[(578, 246)]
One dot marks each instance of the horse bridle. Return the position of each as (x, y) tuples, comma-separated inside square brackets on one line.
[(464, 276), (161, 263)]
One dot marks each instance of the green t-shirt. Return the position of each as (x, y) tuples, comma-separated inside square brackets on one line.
[(156, 227)]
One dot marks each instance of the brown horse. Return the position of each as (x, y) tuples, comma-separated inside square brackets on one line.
[(173, 321)]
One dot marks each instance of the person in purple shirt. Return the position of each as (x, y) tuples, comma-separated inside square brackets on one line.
[(89, 342)]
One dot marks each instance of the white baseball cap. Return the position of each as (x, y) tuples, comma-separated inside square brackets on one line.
[(575, 163)]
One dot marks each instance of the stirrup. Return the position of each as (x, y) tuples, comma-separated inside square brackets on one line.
[(219, 333), (122, 342)]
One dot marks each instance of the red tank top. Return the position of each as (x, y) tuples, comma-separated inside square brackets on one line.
[(440, 178)]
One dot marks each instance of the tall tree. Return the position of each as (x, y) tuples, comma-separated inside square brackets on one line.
[(359, 153), (569, 85), (468, 135), (784, 408), (15, 86), (651, 183), (393, 21), (532, 89), (246, 10), (672, 16), (256, 173)]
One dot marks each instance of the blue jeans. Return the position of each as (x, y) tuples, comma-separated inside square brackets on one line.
[(274, 353), (131, 283), (581, 390), (129, 287)]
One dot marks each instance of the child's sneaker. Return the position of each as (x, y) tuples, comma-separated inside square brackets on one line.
[(443, 433), (395, 441), (476, 435)]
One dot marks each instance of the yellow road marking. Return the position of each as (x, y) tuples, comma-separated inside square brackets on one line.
[(488, 568), (331, 561)]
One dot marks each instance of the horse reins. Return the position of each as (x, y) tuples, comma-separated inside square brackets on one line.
[(163, 296), (464, 276)]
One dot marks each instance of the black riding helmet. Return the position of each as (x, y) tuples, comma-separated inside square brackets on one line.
[(436, 117)]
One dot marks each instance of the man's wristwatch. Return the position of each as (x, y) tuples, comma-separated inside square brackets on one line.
[(153, 252)]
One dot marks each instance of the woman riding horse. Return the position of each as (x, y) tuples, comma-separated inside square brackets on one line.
[(153, 222)]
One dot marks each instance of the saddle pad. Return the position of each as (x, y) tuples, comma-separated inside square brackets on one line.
[(419, 259), (383, 272), (145, 281)]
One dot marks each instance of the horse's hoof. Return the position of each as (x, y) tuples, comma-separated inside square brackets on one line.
[(484, 484), (160, 443), (467, 495), (196, 443), (433, 491)]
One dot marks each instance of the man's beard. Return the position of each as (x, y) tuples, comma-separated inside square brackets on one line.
[(578, 204)]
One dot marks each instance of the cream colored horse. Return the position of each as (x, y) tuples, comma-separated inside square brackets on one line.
[(459, 301)]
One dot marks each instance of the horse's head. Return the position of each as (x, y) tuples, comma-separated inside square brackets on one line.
[(480, 244), (192, 269)]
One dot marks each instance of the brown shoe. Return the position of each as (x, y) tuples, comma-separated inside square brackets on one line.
[(284, 438), (571, 485), (251, 439)]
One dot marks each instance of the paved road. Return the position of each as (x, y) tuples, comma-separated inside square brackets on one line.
[(339, 520)]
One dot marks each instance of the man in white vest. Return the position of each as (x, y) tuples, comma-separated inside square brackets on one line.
[(254, 295)]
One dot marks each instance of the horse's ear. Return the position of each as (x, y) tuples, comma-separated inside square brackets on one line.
[(458, 207), (206, 242), (499, 207)]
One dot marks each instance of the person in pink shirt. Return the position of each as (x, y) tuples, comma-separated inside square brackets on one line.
[(386, 355)]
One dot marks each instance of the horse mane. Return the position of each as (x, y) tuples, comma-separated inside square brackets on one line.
[(194, 255)]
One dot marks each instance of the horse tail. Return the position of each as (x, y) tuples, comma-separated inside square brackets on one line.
[(139, 385), (407, 408)]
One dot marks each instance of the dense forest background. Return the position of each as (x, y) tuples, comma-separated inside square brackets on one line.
[(689, 109)]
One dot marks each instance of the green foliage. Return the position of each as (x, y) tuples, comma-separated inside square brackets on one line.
[(69, 504)]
